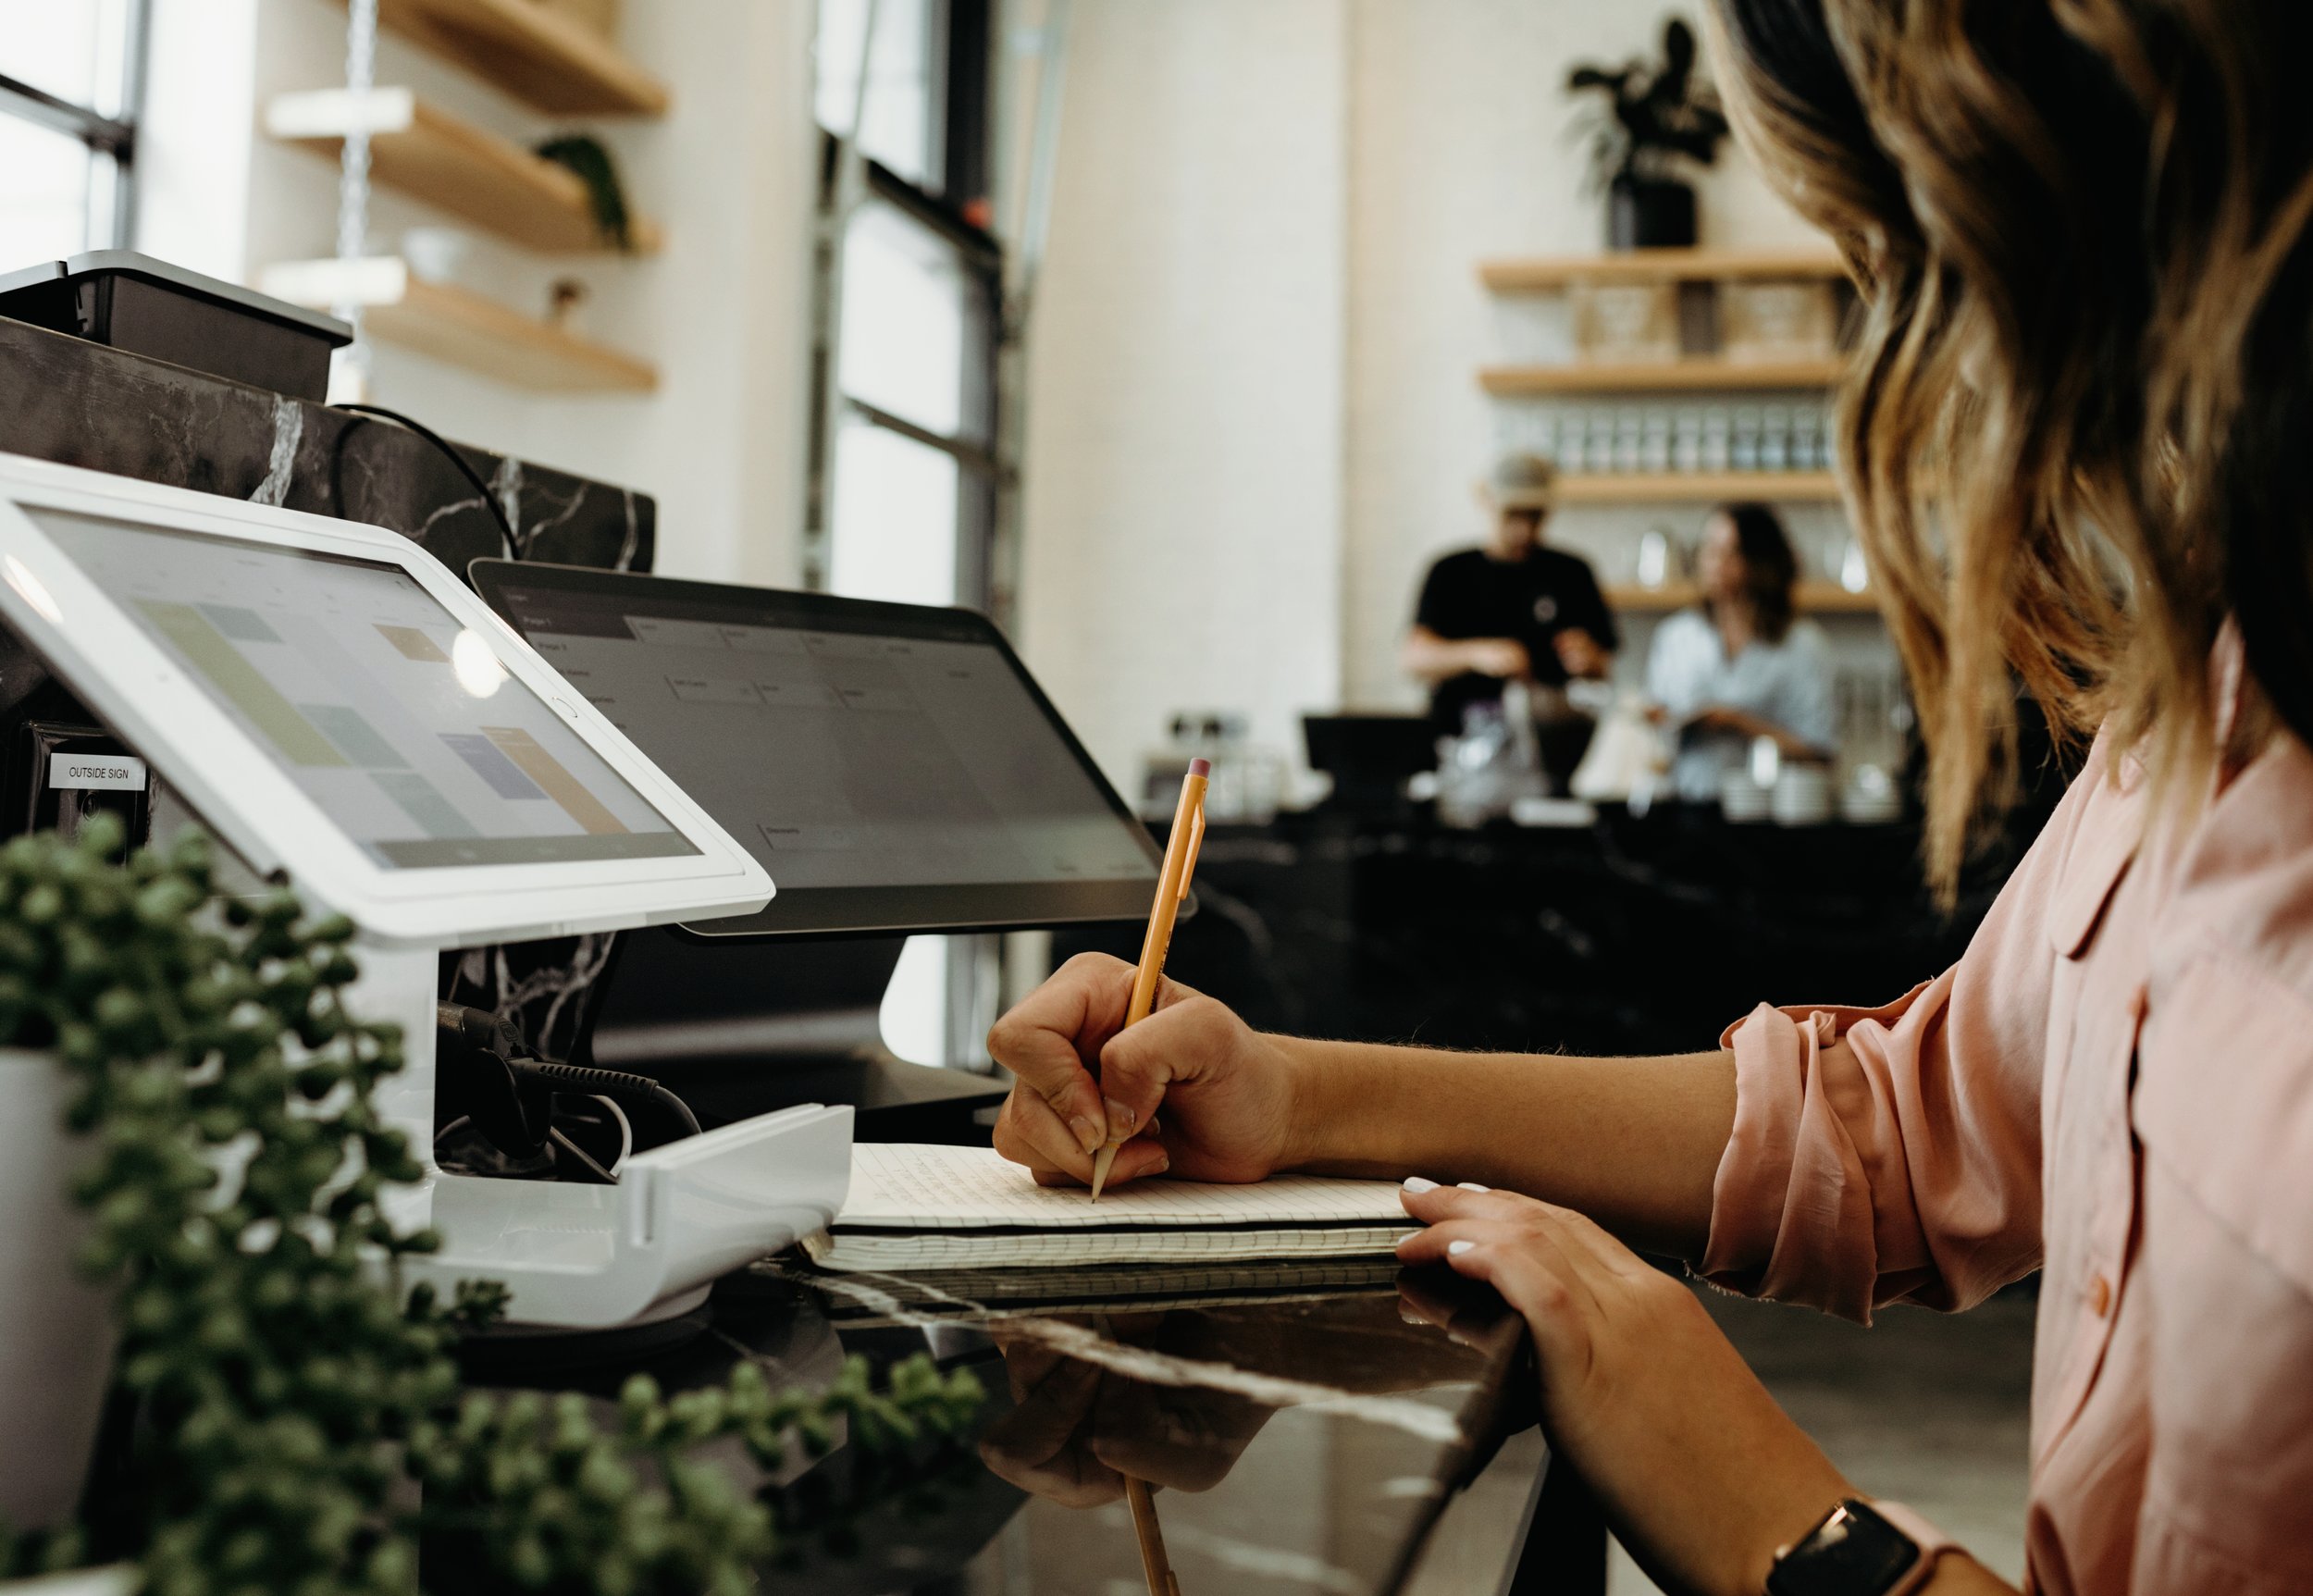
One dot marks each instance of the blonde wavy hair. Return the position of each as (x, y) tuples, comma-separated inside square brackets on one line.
[(2075, 431)]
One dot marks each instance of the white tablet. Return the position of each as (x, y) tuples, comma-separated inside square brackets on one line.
[(336, 704)]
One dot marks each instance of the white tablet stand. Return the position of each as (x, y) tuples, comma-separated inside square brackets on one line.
[(681, 1215)]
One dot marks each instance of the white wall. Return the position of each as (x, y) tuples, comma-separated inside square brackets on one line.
[(1253, 408), (193, 154), (1183, 455), (723, 311)]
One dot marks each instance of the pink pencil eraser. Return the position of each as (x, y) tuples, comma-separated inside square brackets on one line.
[(1200, 767)]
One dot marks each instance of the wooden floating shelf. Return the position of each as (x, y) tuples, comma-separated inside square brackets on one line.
[(1811, 598), (467, 329), (451, 164), (1697, 487), (460, 327), (1545, 273), (1657, 377), (539, 56)]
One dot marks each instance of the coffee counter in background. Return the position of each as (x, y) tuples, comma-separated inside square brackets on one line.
[(1634, 935)]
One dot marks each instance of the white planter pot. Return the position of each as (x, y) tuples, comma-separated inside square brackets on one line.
[(56, 1332)]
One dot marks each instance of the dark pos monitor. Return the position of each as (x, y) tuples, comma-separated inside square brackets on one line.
[(894, 766)]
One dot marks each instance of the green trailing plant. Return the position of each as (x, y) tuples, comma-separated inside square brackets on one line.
[(589, 159), (289, 1393)]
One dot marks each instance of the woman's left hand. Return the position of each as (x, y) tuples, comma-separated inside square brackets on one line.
[(1702, 1473)]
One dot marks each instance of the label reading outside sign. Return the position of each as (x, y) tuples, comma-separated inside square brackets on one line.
[(105, 772)]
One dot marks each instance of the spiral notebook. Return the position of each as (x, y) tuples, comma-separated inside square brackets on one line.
[(915, 1206)]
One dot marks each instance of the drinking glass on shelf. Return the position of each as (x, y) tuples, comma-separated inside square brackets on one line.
[(1629, 434), (1743, 452), (1807, 438), (1687, 440), (1598, 449), (1717, 450), (1542, 434), (1655, 443), (1775, 437)]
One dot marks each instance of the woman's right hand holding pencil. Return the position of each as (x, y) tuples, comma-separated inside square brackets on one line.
[(1202, 1096)]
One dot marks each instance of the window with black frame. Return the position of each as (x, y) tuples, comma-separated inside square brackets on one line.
[(905, 465), (904, 468), (71, 79)]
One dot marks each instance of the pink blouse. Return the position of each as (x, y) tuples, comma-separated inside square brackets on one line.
[(2113, 1086)]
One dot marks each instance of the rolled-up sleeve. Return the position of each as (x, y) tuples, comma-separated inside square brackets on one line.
[(1893, 1154)]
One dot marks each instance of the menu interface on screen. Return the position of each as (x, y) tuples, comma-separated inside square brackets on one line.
[(375, 699), (842, 758)]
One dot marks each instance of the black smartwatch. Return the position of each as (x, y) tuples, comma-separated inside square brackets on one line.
[(1860, 1548)]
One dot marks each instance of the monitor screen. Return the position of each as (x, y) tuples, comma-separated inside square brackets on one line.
[(375, 699), (893, 766)]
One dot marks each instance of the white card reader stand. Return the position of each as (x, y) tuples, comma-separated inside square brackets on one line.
[(336, 705)]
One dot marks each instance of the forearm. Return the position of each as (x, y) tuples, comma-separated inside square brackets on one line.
[(1430, 659), (1634, 1142), (1753, 725)]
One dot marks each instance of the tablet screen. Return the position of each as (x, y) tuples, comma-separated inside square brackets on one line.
[(890, 765), (376, 700)]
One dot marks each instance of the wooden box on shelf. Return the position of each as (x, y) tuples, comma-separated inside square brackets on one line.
[(1778, 319), (1626, 323)]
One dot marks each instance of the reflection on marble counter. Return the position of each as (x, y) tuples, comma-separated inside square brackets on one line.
[(1304, 1437)]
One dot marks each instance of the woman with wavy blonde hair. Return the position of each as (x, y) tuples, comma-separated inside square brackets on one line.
[(2077, 437)]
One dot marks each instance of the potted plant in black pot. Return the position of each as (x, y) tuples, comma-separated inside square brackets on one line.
[(1655, 113)]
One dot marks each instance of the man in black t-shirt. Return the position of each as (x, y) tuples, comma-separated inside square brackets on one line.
[(1511, 611)]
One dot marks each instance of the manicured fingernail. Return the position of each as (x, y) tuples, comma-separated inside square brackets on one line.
[(1472, 1186), (1455, 1249), (1087, 1133), (1409, 1316), (1164, 1162), (1120, 1120), (1416, 1185)]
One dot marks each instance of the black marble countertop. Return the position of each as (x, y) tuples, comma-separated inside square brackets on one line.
[(1636, 935), (1306, 1430)]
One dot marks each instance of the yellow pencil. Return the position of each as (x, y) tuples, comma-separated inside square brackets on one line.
[(1154, 1566), (1173, 889)]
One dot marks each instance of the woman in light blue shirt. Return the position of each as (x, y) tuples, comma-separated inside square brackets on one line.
[(1739, 666)]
